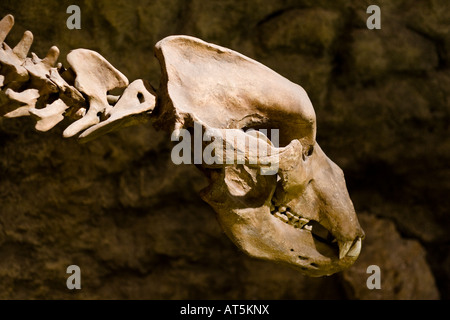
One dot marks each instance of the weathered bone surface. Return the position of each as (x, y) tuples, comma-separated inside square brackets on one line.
[(221, 88), (94, 77), (137, 100), (301, 215), (305, 218), (45, 90)]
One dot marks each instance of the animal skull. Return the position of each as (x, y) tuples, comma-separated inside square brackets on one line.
[(300, 215), (303, 216)]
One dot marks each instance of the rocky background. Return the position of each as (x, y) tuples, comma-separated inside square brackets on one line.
[(133, 221)]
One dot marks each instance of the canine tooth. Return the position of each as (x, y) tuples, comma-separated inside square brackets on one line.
[(281, 216), (272, 208), (344, 247), (356, 249)]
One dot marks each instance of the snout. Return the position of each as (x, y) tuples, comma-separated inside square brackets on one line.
[(336, 210)]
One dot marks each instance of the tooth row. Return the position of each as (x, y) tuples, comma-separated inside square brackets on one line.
[(286, 216)]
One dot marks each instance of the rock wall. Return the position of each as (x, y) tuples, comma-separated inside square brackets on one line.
[(133, 221)]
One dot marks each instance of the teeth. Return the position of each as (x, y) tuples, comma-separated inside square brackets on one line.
[(356, 249), (344, 247), (289, 215), (295, 222), (281, 216), (302, 222), (286, 216)]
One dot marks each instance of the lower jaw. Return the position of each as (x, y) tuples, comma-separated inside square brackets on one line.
[(260, 235)]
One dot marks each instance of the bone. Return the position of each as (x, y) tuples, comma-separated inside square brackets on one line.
[(36, 69), (112, 99), (69, 94), (225, 92), (133, 107), (221, 88), (281, 216), (344, 247), (13, 71), (233, 144), (23, 47), (42, 79), (52, 57), (302, 222), (21, 102), (6, 25), (288, 214), (11, 60), (356, 248), (251, 148), (49, 116), (39, 70), (94, 77)]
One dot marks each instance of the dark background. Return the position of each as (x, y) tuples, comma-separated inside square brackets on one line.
[(133, 221)]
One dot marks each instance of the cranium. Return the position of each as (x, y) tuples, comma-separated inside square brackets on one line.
[(300, 214)]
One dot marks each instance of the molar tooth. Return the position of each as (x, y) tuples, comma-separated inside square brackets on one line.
[(282, 209), (289, 215), (281, 216), (302, 222), (307, 227)]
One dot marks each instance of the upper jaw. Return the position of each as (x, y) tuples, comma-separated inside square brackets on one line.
[(314, 198)]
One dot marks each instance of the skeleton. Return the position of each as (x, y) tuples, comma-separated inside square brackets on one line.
[(301, 215)]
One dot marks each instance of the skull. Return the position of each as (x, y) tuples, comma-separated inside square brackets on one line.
[(302, 214)]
